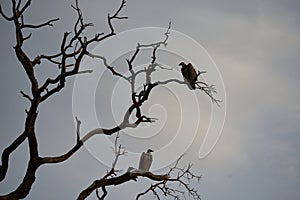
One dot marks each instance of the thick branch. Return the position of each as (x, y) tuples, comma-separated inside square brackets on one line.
[(6, 153), (23, 189), (128, 176)]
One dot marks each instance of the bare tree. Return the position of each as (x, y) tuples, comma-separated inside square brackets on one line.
[(74, 47)]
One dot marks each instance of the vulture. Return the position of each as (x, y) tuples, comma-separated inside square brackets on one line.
[(189, 74), (146, 160)]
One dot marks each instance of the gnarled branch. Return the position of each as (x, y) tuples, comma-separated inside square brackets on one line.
[(182, 176)]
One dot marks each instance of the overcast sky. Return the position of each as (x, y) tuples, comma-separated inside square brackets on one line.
[(255, 46)]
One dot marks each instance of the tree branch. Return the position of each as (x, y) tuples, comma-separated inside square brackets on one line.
[(128, 176), (26, 96), (20, 13), (109, 21), (181, 175), (6, 153), (48, 23), (113, 71), (4, 15)]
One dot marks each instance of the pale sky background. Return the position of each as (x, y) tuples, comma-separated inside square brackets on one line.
[(256, 47)]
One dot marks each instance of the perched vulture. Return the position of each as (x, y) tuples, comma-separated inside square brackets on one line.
[(189, 74), (146, 160)]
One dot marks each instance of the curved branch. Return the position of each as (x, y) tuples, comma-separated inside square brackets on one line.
[(128, 176), (4, 15), (103, 195), (164, 42), (79, 143), (111, 68), (48, 23), (6, 153), (170, 81)]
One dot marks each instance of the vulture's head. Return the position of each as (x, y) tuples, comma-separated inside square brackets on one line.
[(149, 150), (182, 64)]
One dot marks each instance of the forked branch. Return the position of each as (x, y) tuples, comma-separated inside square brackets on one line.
[(178, 176)]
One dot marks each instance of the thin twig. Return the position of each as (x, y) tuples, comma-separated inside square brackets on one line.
[(48, 23), (26, 95)]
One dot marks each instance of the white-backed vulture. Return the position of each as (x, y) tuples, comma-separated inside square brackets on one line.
[(146, 160)]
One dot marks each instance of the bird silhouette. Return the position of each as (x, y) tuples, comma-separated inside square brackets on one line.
[(189, 74), (146, 160)]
